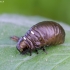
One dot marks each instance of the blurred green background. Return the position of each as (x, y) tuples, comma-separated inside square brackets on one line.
[(54, 9)]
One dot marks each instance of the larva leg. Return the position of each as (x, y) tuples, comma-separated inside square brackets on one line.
[(44, 49), (30, 51), (36, 51)]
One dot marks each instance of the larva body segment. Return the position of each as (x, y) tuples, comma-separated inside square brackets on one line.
[(44, 33)]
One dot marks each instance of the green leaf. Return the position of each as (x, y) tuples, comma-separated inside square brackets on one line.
[(57, 57)]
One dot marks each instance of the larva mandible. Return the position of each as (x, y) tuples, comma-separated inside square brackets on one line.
[(42, 34)]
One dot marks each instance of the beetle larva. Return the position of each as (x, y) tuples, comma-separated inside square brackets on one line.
[(42, 34)]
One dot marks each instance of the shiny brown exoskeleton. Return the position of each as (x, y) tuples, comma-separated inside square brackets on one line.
[(44, 33)]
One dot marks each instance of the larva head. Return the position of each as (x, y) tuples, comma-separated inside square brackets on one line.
[(21, 45)]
